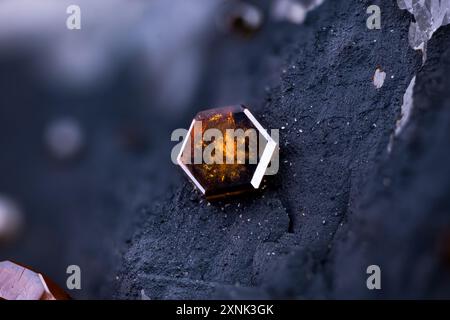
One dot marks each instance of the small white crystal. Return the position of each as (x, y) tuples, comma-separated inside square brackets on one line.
[(378, 78)]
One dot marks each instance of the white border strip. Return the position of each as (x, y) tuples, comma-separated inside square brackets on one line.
[(267, 154), (182, 165)]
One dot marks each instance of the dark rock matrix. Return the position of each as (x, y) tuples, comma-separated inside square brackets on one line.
[(341, 202)]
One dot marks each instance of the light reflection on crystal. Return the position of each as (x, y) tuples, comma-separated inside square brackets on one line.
[(406, 107), (429, 16)]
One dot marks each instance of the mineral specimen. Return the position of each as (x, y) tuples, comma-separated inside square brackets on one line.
[(226, 151), (20, 283)]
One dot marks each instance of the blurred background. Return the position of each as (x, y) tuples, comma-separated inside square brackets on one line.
[(86, 115)]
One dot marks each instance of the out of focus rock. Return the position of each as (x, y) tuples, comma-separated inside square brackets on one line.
[(64, 138), (293, 11), (11, 219), (133, 139), (243, 18)]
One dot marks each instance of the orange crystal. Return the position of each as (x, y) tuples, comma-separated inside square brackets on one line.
[(237, 165)]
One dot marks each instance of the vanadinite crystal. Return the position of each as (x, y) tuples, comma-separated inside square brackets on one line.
[(240, 148), (20, 283)]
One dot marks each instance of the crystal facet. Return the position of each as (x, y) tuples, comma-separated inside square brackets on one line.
[(226, 151), (20, 283), (429, 16)]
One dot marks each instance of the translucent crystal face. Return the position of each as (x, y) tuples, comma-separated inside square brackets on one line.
[(20, 283), (223, 150), (429, 15)]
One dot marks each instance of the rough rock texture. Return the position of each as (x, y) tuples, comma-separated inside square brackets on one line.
[(340, 202), (403, 221)]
